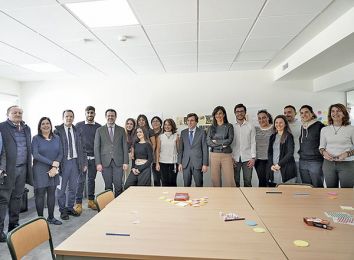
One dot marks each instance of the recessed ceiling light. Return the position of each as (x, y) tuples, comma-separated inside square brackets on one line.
[(42, 67), (103, 13)]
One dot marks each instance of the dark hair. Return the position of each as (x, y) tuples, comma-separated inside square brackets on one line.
[(239, 106), (287, 130), (68, 111), (291, 106), (39, 127), (110, 110), (341, 107), (8, 110), (88, 108), (158, 118), (172, 123), (264, 111), (310, 109), (145, 119), (215, 111), (145, 132), (131, 119), (195, 116)]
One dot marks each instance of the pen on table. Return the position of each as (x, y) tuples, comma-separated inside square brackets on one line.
[(276, 192), (118, 234)]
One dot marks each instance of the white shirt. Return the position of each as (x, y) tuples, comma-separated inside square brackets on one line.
[(244, 143), (73, 141), (168, 152)]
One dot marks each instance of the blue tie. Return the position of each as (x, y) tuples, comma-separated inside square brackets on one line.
[(71, 149), (190, 137)]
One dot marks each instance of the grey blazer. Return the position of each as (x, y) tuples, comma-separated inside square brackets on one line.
[(197, 154), (105, 150)]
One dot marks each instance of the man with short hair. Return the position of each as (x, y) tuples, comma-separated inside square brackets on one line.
[(17, 171), (193, 154), (87, 130), (73, 164), (243, 147), (111, 152), (295, 127)]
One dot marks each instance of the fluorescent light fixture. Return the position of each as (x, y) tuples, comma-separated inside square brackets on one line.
[(103, 13), (42, 67)]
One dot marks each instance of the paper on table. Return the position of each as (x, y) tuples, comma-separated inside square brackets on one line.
[(347, 207)]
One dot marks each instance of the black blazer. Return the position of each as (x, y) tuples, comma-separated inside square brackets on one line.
[(8, 138), (286, 158)]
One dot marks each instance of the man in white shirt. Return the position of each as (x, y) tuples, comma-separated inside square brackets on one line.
[(295, 127), (243, 147)]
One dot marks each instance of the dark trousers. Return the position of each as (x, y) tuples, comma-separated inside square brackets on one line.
[(69, 177), (261, 168), (338, 172), (113, 176), (168, 174), (311, 172), (247, 174), (143, 179), (91, 175), (197, 174), (11, 198), (39, 199), (156, 176)]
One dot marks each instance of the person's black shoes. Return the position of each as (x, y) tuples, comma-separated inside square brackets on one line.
[(2, 237), (64, 215), (12, 226), (73, 213), (54, 221)]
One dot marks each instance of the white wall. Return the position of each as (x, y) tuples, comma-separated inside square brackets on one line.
[(170, 95), (9, 95)]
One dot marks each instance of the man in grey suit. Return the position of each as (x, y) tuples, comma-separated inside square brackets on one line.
[(111, 152), (193, 155), (16, 137)]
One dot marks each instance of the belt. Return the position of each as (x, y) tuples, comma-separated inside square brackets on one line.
[(90, 158)]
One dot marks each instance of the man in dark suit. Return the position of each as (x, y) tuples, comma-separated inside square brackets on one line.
[(193, 154), (16, 136), (111, 152), (73, 164)]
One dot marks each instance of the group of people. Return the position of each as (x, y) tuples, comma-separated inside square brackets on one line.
[(283, 150)]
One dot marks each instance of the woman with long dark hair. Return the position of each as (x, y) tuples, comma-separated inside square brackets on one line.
[(219, 138), (47, 153), (281, 167), (140, 174), (336, 147)]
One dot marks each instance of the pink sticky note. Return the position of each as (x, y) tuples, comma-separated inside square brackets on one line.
[(332, 193)]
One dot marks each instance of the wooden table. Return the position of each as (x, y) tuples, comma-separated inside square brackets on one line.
[(167, 231), (283, 215)]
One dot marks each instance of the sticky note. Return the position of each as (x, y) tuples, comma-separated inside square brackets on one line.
[(259, 230), (301, 243)]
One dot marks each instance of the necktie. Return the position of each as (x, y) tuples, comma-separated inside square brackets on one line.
[(71, 150), (111, 135), (190, 137)]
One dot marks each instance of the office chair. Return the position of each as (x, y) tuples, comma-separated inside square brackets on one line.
[(103, 198), (294, 185), (28, 236)]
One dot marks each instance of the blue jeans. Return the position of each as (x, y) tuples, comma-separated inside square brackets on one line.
[(311, 172)]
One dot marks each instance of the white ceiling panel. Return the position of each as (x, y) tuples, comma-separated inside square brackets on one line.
[(228, 9), (111, 35), (226, 29), (216, 58), (259, 44), (255, 55), (18, 4), (279, 26), (182, 32), (214, 67), (230, 45), (251, 65), (134, 52), (15, 56), (179, 60), (165, 11), (176, 48), (291, 7), (181, 69)]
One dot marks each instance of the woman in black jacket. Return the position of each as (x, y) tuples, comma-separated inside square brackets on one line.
[(281, 167)]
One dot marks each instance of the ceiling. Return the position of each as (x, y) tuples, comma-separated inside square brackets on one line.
[(173, 36)]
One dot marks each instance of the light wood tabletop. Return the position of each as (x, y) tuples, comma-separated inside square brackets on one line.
[(283, 213), (160, 230)]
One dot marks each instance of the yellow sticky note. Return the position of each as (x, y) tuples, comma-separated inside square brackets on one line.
[(162, 198), (301, 243), (259, 230)]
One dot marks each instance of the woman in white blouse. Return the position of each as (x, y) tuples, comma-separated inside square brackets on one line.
[(336, 146)]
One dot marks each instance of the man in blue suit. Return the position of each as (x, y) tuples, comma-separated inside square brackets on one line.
[(16, 136), (193, 154)]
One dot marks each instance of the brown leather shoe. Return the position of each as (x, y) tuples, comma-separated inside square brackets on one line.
[(78, 208), (91, 205)]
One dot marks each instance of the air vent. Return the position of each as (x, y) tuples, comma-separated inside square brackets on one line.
[(285, 66)]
